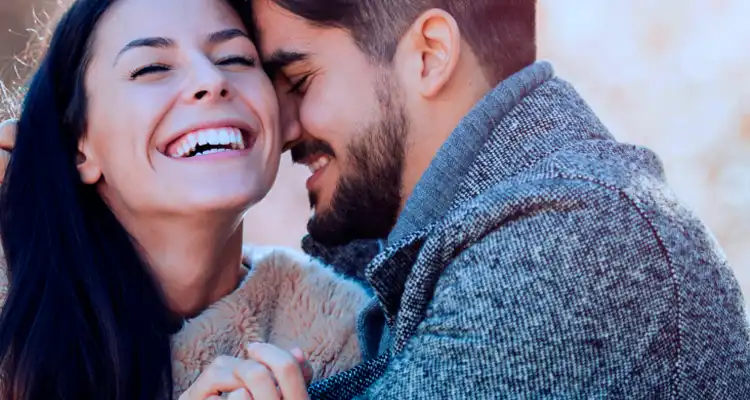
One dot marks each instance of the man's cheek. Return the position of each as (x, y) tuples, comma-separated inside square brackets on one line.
[(323, 118)]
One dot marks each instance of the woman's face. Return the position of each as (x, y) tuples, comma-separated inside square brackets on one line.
[(181, 117)]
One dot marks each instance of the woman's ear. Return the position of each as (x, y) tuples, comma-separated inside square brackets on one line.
[(88, 168)]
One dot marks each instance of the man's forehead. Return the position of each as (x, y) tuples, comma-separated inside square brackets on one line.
[(280, 32)]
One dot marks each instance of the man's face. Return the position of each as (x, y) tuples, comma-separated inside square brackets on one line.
[(352, 124)]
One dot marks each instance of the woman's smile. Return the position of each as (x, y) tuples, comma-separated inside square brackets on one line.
[(226, 140)]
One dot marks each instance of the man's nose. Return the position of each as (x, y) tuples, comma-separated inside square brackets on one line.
[(291, 133), (291, 127)]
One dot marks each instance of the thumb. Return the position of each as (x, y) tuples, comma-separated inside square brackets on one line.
[(8, 134), (7, 140), (304, 364)]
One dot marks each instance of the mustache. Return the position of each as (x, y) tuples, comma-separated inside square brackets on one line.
[(307, 148)]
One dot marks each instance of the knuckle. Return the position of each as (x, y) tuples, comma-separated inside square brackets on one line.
[(256, 371), (213, 373), (210, 374), (288, 367), (221, 361)]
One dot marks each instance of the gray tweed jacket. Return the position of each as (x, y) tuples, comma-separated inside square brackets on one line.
[(540, 258)]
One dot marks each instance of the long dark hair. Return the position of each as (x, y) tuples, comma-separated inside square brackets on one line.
[(83, 318)]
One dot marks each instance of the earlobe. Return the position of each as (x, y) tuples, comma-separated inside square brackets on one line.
[(88, 169), (440, 44)]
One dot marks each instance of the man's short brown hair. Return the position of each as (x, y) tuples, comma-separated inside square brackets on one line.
[(502, 33)]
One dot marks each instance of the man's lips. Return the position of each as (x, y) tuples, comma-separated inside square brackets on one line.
[(317, 164), (308, 151)]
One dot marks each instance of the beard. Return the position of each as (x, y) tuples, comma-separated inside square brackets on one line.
[(367, 197)]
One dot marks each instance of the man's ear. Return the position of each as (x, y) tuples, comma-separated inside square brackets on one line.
[(436, 40), (88, 168)]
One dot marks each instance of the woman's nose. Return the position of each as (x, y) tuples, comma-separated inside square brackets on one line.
[(207, 93), (208, 84)]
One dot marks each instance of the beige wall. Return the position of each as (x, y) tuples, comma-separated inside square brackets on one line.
[(672, 75)]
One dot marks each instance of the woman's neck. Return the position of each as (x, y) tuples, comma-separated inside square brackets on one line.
[(197, 262)]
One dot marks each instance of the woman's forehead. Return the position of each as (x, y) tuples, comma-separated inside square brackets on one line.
[(179, 20)]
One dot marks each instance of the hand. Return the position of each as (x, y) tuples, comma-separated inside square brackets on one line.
[(270, 373), (7, 140)]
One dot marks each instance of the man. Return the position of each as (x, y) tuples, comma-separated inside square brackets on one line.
[(526, 253)]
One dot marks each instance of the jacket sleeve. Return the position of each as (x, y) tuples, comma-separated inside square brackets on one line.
[(316, 311), (548, 305)]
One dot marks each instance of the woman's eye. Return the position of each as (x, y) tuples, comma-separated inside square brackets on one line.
[(237, 60), (149, 69)]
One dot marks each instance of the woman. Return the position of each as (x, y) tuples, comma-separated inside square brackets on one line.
[(147, 132)]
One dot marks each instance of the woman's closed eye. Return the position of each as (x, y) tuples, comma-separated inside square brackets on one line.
[(240, 61), (237, 60), (148, 69)]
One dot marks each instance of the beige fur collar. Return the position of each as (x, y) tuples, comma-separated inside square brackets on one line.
[(287, 300)]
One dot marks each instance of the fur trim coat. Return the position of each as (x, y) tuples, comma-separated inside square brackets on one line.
[(287, 300)]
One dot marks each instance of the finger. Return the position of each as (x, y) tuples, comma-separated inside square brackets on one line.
[(257, 379), (284, 367), (217, 378), (8, 134), (307, 370), (240, 394), (4, 161)]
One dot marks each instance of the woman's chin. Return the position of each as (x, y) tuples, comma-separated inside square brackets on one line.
[(226, 203)]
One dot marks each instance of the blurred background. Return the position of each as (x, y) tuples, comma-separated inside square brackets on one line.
[(672, 75)]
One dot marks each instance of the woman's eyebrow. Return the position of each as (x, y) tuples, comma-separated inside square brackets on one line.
[(157, 42), (226, 35), (162, 42)]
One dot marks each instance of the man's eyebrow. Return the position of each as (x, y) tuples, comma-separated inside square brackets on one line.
[(282, 58), (163, 43), (157, 42)]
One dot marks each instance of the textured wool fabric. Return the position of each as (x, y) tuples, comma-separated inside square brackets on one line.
[(540, 258), (349, 260)]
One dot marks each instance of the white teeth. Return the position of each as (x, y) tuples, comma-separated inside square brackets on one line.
[(237, 140), (203, 153), (321, 162), (212, 137), (229, 137)]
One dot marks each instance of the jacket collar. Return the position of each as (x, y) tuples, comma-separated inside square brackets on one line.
[(436, 191), (443, 182)]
